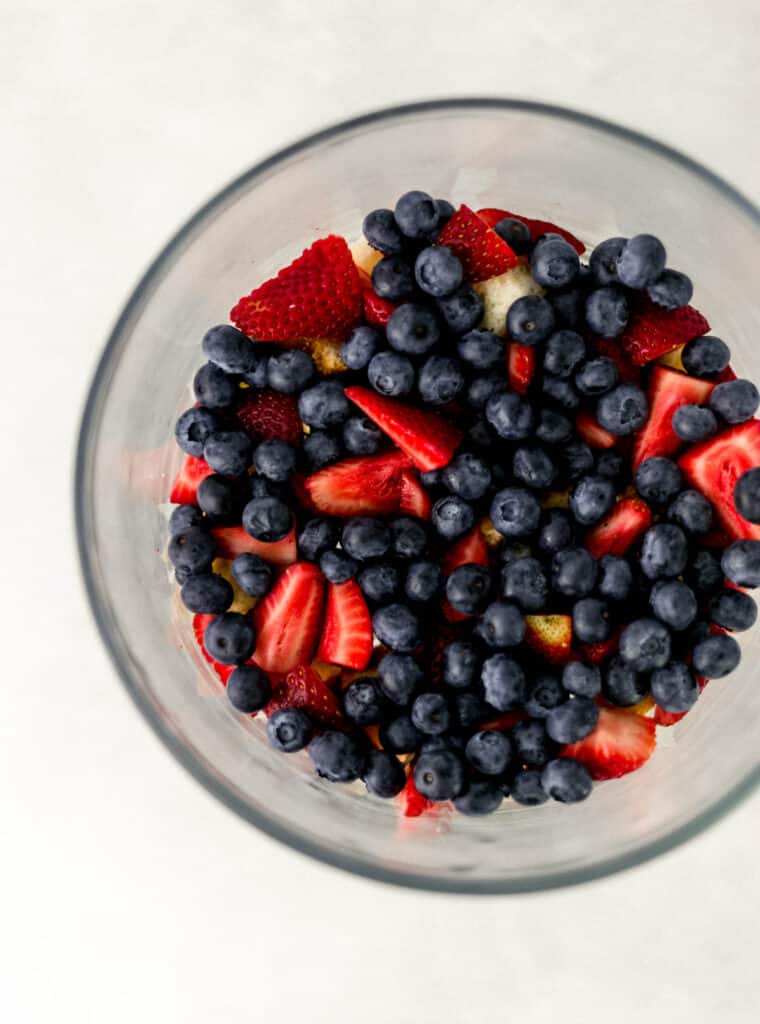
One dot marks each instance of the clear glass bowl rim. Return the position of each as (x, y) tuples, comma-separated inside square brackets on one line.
[(322, 851)]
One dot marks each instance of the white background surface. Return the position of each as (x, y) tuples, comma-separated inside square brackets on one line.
[(126, 893)]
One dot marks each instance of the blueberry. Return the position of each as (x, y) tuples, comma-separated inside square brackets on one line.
[(460, 665), (674, 603), (252, 574), (532, 744), (664, 551), (256, 377), (591, 620), (747, 495), (391, 374), (553, 262), (324, 405), (573, 720), (735, 401), (694, 423), (641, 261), (393, 278), (564, 352), (363, 702), (214, 388), (480, 389), (289, 730), (582, 680), (553, 427), (452, 516), (193, 429), (481, 796), (504, 683), (533, 467), (674, 688), (382, 232), (741, 563), (290, 371), (671, 290), (275, 460), (399, 678), (526, 788), (610, 465), (578, 459), (361, 436), (337, 566), (430, 714), (364, 537), (524, 581), (397, 627), (716, 656), (416, 214), (440, 775), (603, 261), (230, 638), (321, 449), (591, 500), (596, 377), (511, 552), (248, 689), (230, 349), (692, 511), (489, 752), (515, 512), (379, 582), (510, 416), (560, 391), (530, 319), (566, 780), (437, 271), (441, 379), (423, 581), (316, 537), (399, 736), (267, 519), (731, 609), (558, 531), (260, 487), (412, 329), (501, 625), (515, 233), (546, 693), (479, 433), (467, 588), (383, 774), (622, 684), (615, 578), (573, 572), (623, 410), (362, 343), (704, 573), (567, 304), (217, 496), (445, 212), (207, 593), (658, 480), (606, 312), (228, 452), (183, 518), (467, 476), (192, 551), (336, 756), (645, 645), (408, 537), (462, 310), (705, 356), (482, 350)]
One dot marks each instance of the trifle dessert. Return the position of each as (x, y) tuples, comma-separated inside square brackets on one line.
[(466, 511)]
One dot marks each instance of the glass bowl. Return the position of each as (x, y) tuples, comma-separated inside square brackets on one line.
[(590, 176)]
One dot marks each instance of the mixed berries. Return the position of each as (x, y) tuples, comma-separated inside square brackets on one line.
[(465, 516)]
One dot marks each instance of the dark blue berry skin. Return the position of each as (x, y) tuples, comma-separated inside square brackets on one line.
[(533, 467), (399, 736), (364, 537), (546, 693), (674, 603), (391, 374), (645, 645), (467, 476), (731, 609), (397, 627), (480, 797), (399, 678), (582, 680), (694, 423), (289, 371), (557, 532), (256, 377), (252, 574), (591, 500), (515, 512), (383, 774), (445, 212), (461, 665), (275, 460), (664, 551), (607, 312), (747, 495), (609, 465), (704, 573), (469, 710), (214, 388), (440, 380), (230, 349), (423, 581), (692, 512), (363, 702), (217, 496), (515, 233), (560, 391), (489, 752), (393, 278), (184, 517), (567, 304), (615, 578), (504, 684), (553, 427), (228, 452), (437, 271), (462, 310), (553, 262), (337, 566), (182, 576), (430, 714), (416, 214), (362, 437), (336, 756), (573, 572), (596, 377), (526, 788), (248, 689), (479, 433), (573, 720), (641, 261), (501, 625), (564, 352), (362, 343), (530, 319), (741, 563), (193, 429), (192, 551), (566, 780), (674, 688), (267, 519), (452, 517), (482, 350), (658, 480), (577, 459), (408, 537), (230, 638), (316, 537), (524, 582), (532, 744), (716, 656), (321, 449), (510, 416), (467, 588), (207, 594), (439, 775), (603, 261), (591, 620), (324, 405), (379, 583), (735, 401), (289, 730), (671, 290), (412, 329), (480, 389), (623, 410), (382, 232), (705, 356)]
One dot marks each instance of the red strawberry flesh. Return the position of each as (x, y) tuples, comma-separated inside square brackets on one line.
[(303, 688), (356, 486), (347, 628), (185, 487), (232, 541), (621, 742), (521, 366), (628, 521), (414, 500), (668, 391), (537, 227), (287, 620), (482, 252), (653, 331), (270, 416)]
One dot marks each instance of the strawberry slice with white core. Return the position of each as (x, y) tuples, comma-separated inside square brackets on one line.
[(628, 521), (668, 391), (288, 619), (185, 487), (232, 541), (621, 742), (347, 629), (361, 485)]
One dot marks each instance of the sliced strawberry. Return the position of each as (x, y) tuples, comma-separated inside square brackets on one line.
[(471, 548), (725, 375), (482, 252), (270, 416), (536, 227), (185, 487), (550, 636), (628, 520), (377, 311), (414, 499), (232, 541), (668, 390), (620, 743), (200, 623), (610, 348), (364, 484), (662, 717), (429, 440), (714, 467), (521, 366), (303, 688), (413, 803), (595, 654), (347, 628), (317, 296), (653, 331), (592, 433), (287, 620)]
